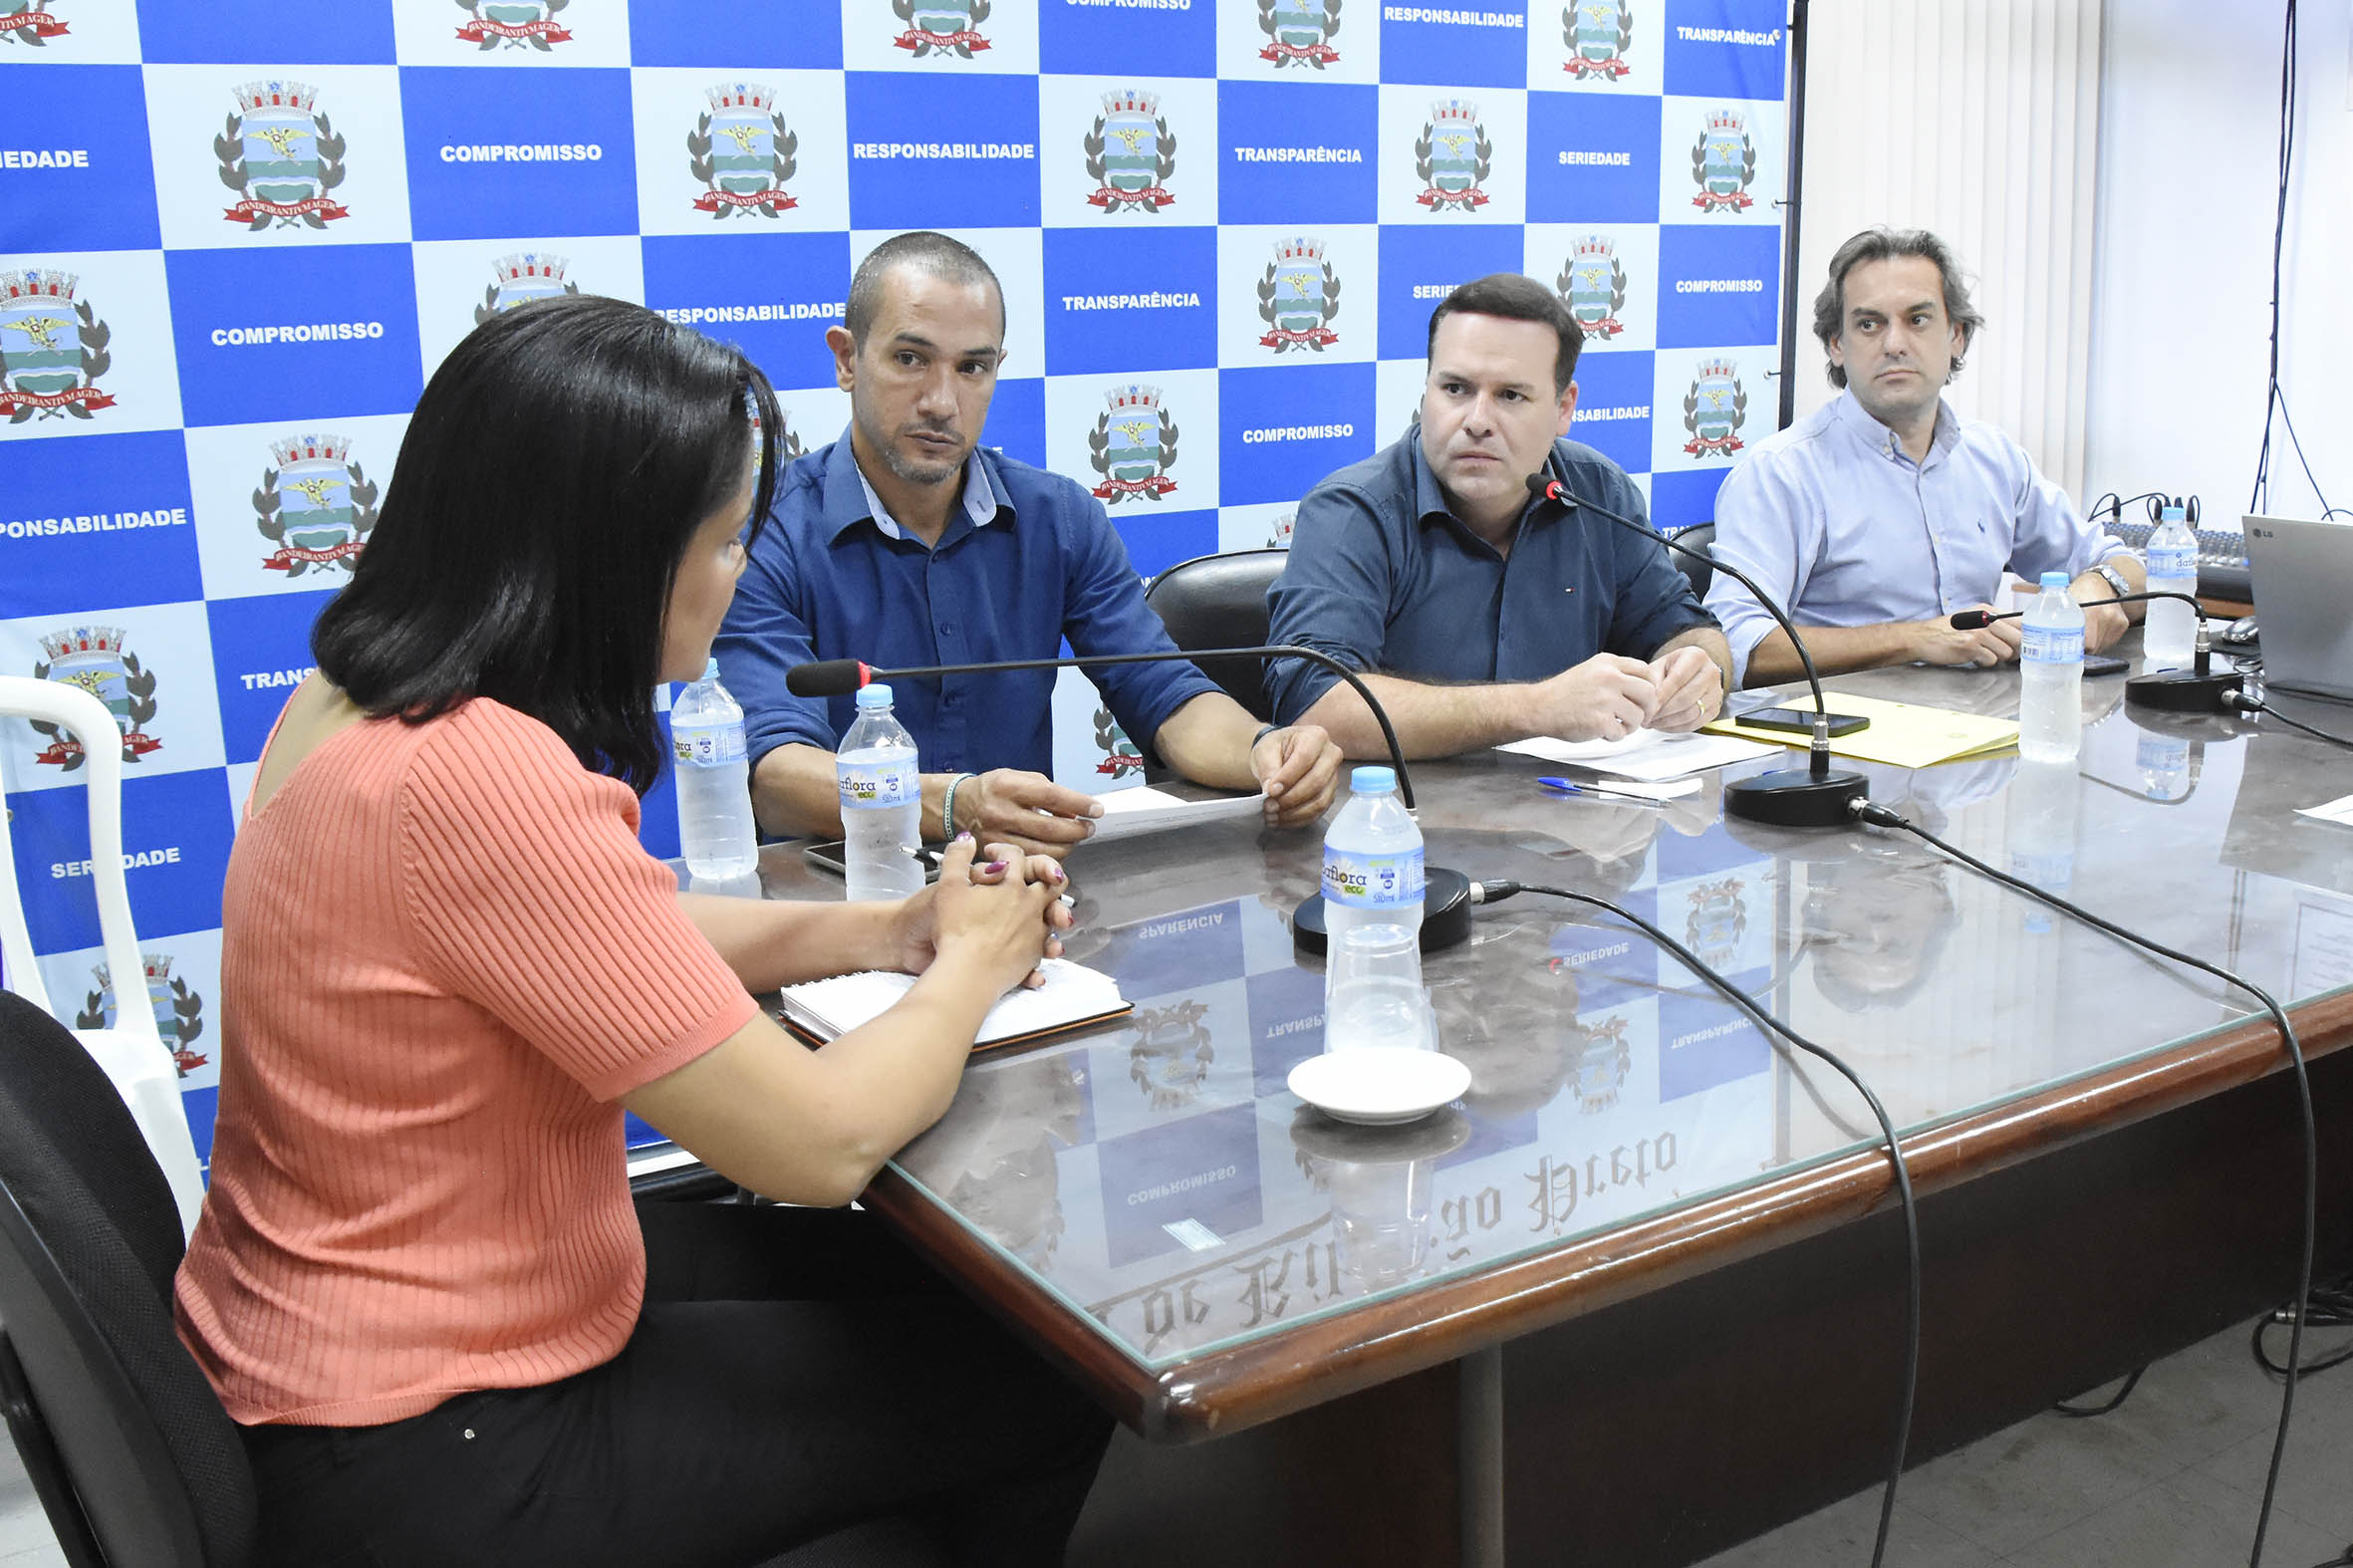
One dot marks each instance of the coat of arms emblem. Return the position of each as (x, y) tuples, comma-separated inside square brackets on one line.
[(513, 24), (180, 1011), (314, 505), (1279, 537), (1298, 298), (1129, 155), (1718, 918), (1172, 1053), (52, 348), (1120, 756), (940, 27), (1133, 445), (93, 658), (522, 277), (1453, 158), (1714, 409), (1299, 32), (1594, 284), (1723, 161), (24, 22), (741, 150), (282, 157), (1602, 1064), (1597, 33)]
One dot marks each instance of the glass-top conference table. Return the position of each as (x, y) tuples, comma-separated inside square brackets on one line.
[(1640, 1293)]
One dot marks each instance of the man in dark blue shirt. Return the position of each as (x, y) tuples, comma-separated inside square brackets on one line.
[(905, 543), (1478, 615)]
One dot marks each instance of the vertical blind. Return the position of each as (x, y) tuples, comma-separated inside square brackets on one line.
[(1978, 119)]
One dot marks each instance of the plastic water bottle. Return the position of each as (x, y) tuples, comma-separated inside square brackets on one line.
[(881, 802), (714, 781), (1373, 868), (2170, 629), (2051, 670), (2045, 809)]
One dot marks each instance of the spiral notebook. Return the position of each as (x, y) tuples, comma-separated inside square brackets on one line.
[(1073, 997)]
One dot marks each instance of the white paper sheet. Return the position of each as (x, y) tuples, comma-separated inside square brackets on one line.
[(1129, 812), (1650, 755), (2339, 810)]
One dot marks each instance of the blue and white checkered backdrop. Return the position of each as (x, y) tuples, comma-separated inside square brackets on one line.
[(235, 237)]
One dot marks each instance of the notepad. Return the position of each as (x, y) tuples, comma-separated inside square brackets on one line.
[(1901, 734), (1072, 997)]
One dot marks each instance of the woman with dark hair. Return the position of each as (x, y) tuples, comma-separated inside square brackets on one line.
[(419, 1283)]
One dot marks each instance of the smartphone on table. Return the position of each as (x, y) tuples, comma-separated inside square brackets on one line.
[(831, 854), (1801, 719)]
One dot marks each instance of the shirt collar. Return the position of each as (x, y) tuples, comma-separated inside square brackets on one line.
[(1430, 499), (845, 507), (1850, 412)]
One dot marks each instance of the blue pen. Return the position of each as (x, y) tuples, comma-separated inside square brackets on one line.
[(1570, 787)]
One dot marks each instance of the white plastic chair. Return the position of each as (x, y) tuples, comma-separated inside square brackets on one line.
[(132, 1053)]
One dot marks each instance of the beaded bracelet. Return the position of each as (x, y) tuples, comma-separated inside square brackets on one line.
[(947, 806)]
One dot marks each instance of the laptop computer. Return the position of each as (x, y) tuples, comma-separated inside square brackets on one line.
[(2302, 575)]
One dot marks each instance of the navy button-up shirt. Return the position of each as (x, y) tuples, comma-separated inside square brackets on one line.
[(1027, 562), (1384, 578)]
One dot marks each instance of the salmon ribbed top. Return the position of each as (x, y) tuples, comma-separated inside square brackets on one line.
[(444, 957)]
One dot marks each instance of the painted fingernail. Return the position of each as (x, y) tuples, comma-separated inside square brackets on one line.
[(1060, 874), (993, 867), (963, 838)]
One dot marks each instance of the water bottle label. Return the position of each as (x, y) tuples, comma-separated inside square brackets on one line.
[(707, 745), (2173, 563), (1372, 882), (2053, 645), (870, 786)]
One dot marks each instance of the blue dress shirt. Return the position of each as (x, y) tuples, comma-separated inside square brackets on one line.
[(1384, 578), (1833, 517), (1028, 561)]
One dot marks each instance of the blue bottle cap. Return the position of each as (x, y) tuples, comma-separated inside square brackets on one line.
[(2173, 514), (710, 669), (873, 696), (1372, 781), (2058, 579)]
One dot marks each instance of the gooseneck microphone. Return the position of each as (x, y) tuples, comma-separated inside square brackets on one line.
[(2197, 689), (1446, 917), (1815, 796)]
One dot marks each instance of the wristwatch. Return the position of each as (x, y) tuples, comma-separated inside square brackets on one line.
[(2115, 579)]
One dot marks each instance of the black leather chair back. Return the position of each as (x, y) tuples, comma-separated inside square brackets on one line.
[(1700, 537), (1220, 601), (133, 1457)]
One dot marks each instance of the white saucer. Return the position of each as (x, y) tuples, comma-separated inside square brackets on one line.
[(1373, 1085)]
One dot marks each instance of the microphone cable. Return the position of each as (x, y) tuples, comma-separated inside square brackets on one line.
[(2241, 703), (1881, 817), (1498, 891)]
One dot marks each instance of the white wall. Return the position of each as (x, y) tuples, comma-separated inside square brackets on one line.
[(1976, 120), (2188, 151)]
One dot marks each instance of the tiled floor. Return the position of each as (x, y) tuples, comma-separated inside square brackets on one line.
[(2170, 1480)]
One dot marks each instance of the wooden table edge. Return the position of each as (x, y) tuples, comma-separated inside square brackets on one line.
[(1321, 1359)]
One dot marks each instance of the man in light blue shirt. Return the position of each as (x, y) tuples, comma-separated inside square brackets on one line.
[(1875, 518)]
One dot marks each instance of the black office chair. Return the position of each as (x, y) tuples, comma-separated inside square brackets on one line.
[(1220, 601), (1700, 537), (136, 1464), (130, 1453)]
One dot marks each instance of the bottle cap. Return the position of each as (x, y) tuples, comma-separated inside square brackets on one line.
[(1372, 781), (2173, 514), (873, 696), (2057, 580), (710, 669)]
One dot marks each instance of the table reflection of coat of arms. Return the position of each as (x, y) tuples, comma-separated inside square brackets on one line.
[(1171, 1054), (1718, 919), (1603, 1063)]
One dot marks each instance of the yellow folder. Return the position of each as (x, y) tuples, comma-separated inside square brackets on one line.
[(1901, 734)]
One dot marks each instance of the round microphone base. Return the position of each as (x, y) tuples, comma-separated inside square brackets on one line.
[(1794, 798), (2181, 691), (1446, 914)]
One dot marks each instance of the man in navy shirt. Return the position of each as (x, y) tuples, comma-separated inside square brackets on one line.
[(1478, 615), (905, 543)]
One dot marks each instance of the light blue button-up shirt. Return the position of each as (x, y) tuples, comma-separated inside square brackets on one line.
[(1834, 517)]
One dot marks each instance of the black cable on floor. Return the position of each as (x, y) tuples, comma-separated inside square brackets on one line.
[(1880, 816), (1495, 892), (2081, 1412)]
